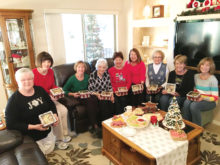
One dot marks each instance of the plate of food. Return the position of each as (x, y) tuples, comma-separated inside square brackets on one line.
[(118, 122), (137, 122), (193, 95), (138, 112)]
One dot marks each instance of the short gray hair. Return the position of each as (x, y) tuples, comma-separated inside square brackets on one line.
[(22, 71), (100, 61)]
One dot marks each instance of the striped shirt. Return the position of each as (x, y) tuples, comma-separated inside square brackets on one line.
[(207, 88)]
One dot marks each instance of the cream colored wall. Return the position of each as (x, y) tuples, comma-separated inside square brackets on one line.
[(122, 7)]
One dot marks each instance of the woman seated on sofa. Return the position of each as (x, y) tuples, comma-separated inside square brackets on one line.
[(44, 77), (207, 85), (25, 106), (79, 82), (137, 71), (182, 78), (99, 81), (120, 77), (157, 74)]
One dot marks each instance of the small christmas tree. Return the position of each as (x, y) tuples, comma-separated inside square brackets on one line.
[(173, 117)]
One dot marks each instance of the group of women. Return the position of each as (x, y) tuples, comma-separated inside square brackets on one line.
[(32, 99)]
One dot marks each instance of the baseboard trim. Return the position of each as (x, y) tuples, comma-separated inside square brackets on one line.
[(216, 122)]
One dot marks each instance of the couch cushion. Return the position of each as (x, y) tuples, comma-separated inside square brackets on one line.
[(9, 139)]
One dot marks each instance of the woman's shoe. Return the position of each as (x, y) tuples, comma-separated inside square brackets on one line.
[(61, 145), (67, 139)]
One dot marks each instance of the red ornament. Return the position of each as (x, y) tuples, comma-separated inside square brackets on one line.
[(195, 4), (153, 120), (217, 8)]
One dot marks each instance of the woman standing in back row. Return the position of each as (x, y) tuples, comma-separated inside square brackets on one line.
[(44, 77), (137, 71), (207, 85)]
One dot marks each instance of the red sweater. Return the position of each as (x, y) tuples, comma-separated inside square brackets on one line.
[(119, 78), (138, 72), (45, 81)]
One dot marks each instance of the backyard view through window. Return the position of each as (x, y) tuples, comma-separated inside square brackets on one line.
[(88, 36)]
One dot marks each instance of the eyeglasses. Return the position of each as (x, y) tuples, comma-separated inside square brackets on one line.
[(157, 57)]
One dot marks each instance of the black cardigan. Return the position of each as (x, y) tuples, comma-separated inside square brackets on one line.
[(187, 83)]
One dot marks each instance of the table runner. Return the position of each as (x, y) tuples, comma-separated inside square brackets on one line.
[(158, 142)]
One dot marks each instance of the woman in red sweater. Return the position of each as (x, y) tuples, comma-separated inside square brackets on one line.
[(44, 77), (120, 77), (137, 71)]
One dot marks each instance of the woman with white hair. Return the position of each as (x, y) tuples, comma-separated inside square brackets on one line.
[(100, 81), (25, 106), (157, 74)]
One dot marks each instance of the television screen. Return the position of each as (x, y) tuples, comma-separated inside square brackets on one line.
[(198, 39)]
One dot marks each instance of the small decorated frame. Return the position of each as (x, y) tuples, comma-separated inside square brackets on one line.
[(158, 11), (137, 89), (170, 88), (122, 91), (106, 95), (57, 92), (193, 95), (47, 118), (84, 94)]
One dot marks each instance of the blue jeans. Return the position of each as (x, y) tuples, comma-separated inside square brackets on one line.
[(192, 110), (166, 99)]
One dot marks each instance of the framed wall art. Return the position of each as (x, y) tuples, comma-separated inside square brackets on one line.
[(158, 11)]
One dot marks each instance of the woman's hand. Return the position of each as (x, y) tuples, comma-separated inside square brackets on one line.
[(199, 99), (75, 95), (57, 120), (38, 127), (112, 98), (164, 92), (117, 93), (53, 98)]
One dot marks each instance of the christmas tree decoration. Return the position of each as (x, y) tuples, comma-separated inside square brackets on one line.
[(173, 117), (94, 45)]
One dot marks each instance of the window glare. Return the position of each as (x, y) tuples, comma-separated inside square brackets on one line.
[(73, 37)]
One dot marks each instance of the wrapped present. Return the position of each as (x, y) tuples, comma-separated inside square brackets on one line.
[(47, 118), (57, 92), (84, 94), (137, 89), (152, 88), (106, 95), (193, 95), (122, 91)]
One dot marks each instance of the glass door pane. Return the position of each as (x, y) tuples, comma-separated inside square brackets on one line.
[(3, 61), (18, 43)]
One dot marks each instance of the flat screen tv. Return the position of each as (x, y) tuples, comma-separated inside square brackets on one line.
[(198, 39)]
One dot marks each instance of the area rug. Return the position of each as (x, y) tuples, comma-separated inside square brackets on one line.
[(85, 150)]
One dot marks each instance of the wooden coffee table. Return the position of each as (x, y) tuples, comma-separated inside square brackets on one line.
[(122, 151)]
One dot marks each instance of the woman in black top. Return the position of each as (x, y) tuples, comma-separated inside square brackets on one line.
[(184, 80), (25, 106), (100, 81)]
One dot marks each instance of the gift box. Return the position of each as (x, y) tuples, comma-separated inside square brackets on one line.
[(193, 95), (57, 92), (122, 91), (47, 118), (170, 88), (106, 95), (137, 89), (84, 94)]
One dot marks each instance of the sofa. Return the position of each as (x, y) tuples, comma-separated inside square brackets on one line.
[(18, 149), (77, 113)]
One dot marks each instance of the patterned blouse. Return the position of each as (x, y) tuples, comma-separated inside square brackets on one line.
[(98, 85)]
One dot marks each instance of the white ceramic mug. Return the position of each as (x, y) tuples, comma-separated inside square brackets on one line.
[(128, 108)]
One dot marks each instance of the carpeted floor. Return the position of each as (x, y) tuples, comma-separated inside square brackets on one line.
[(85, 150)]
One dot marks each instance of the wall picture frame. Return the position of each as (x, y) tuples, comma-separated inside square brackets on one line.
[(158, 11)]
